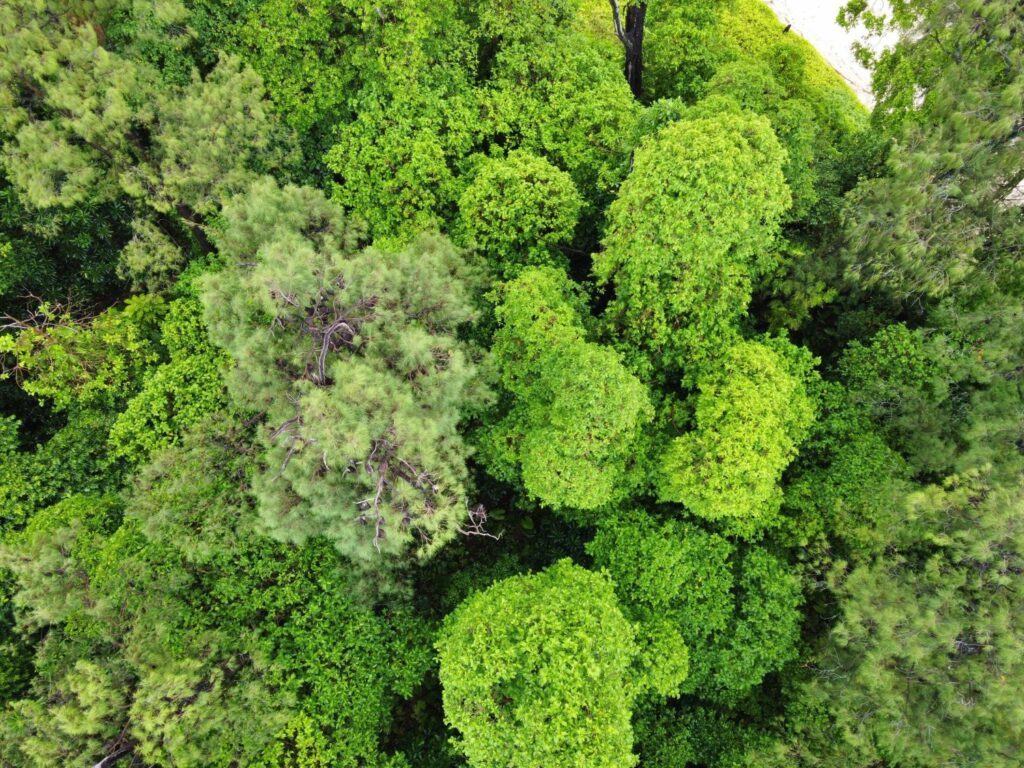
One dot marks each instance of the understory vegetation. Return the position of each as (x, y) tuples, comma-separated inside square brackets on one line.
[(509, 384)]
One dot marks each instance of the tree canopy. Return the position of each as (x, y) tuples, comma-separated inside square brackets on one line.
[(351, 356), (462, 383)]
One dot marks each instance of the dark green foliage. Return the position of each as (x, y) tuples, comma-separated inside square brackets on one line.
[(924, 665), (926, 627), (72, 460), (900, 382), (669, 738), (231, 644), (56, 253), (736, 609)]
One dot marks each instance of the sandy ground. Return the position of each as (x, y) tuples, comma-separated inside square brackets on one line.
[(815, 21)]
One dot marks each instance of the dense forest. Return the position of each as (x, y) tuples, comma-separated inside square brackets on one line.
[(509, 384)]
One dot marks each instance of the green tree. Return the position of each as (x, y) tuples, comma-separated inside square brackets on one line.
[(176, 636), (57, 253), (518, 210), (102, 125), (923, 665), (688, 234), (540, 670), (682, 44), (736, 609), (573, 430), (752, 412), (933, 634), (176, 394), (901, 382), (558, 97), (416, 116), (352, 357), (59, 357), (949, 98)]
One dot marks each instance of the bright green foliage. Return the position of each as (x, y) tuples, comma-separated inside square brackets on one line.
[(518, 210), (558, 97), (950, 93), (416, 116), (52, 556), (683, 45), (576, 417), (536, 670), (396, 159), (352, 356), (177, 394), (300, 52), (514, 20), (806, 142), (752, 412), (441, 81), (737, 611), (61, 359), (688, 234), (753, 32)]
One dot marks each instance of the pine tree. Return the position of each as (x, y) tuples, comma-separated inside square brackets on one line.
[(351, 355), (951, 96), (83, 122)]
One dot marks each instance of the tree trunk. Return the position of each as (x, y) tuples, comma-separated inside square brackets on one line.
[(632, 38), (195, 226), (635, 49)]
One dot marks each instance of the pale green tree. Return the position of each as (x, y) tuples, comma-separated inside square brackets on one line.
[(518, 210), (351, 354), (543, 669)]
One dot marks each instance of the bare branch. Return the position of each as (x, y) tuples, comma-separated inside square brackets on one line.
[(617, 21), (477, 519)]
